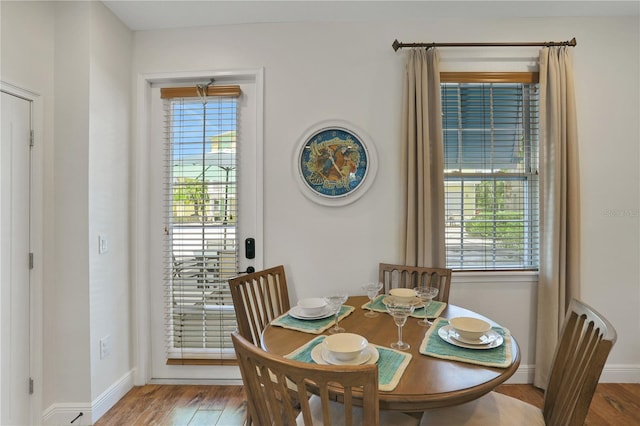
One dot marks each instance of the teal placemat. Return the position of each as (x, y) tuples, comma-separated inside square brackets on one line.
[(434, 309), (434, 345), (391, 366), (311, 326), (391, 363)]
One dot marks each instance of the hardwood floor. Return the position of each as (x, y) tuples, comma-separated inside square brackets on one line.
[(178, 405), (613, 404)]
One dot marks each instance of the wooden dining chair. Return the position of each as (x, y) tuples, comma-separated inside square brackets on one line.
[(403, 276), (258, 298), (584, 345), (269, 380)]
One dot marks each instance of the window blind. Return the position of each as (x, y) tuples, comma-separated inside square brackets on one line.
[(490, 134), (200, 213)]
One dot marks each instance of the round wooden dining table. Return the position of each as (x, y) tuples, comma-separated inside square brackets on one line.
[(427, 382)]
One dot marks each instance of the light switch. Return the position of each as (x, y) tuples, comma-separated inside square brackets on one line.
[(103, 246)]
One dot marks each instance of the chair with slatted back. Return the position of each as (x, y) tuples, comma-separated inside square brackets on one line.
[(403, 276), (258, 298), (584, 345), (269, 379)]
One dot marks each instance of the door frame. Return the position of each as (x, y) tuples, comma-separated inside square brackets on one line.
[(36, 242), (140, 274)]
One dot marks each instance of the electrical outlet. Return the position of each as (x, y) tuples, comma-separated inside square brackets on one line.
[(105, 347)]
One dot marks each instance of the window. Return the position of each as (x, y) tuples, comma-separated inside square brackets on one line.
[(490, 134), (200, 215)]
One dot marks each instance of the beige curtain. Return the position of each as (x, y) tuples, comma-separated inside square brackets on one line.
[(559, 204), (423, 161)]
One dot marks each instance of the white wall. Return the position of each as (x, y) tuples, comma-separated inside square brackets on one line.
[(318, 71), (77, 56), (70, 316), (108, 204)]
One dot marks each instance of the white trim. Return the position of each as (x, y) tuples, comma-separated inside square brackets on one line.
[(614, 373), (111, 395), (620, 373), (259, 225), (211, 382), (494, 276), (64, 413), (141, 327), (140, 237), (18, 91), (522, 376), (37, 238)]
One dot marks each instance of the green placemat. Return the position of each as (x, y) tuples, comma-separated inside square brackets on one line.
[(311, 326), (391, 363), (433, 345), (434, 309)]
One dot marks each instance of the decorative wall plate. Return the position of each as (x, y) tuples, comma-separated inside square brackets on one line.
[(335, 163)]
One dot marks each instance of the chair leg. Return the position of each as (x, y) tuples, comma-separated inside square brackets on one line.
[(247, 419)]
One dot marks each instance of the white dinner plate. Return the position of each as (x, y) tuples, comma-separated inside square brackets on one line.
[(297, 313), (492, 339), (485, 339), (320, 355), (416, 302)]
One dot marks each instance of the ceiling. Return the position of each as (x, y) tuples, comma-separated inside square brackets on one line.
[(163, 14)]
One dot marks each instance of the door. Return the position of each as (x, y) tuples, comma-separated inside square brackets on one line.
[(15, 172), (192, 254)]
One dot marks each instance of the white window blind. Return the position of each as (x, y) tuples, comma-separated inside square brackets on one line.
[(200, 213), (490, 133)]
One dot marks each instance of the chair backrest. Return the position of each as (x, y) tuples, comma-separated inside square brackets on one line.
[(269, 381), (258, 298), (402, 276), (585, 341)]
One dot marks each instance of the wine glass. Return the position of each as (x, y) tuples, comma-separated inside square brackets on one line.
[(426, 294), (400, 312), (372, 290), (335, 302)]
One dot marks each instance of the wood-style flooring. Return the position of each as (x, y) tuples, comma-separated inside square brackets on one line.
[(614, 404)]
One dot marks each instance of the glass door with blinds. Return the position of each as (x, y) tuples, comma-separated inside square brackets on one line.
[(200, 212), (205, 151)]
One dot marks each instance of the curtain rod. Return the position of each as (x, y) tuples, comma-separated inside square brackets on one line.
[(398, 45)]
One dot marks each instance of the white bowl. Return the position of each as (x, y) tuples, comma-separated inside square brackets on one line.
[(470, 328), (312, 306), (403, 295), (345, 346)]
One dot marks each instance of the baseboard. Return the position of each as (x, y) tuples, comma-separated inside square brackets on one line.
[(620, 373), (212, 382), (522, 376), (610, 374), (109, 397), (65, 413), (87, 414)]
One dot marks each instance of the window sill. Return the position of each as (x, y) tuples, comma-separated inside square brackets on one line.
[(494, 276)]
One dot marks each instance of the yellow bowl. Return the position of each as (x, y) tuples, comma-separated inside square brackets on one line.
[(312, 305), (345, 346), (403, 295), (470, 328)]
